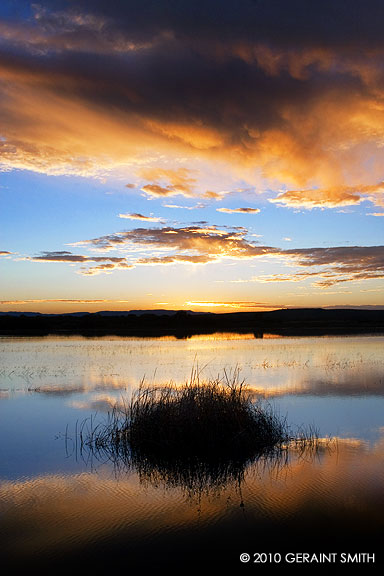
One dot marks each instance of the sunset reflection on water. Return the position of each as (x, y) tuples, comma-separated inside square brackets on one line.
[(58, 506), (66, 516)]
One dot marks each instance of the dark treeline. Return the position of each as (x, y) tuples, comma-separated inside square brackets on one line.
[(182, 324)]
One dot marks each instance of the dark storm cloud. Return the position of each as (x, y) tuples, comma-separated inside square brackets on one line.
[(277, 21), (291, 88), (167, 84)]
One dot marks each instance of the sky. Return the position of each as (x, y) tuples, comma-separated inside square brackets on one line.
[(208, 155)]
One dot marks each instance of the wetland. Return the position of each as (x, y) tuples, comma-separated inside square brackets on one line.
[(62, 503)]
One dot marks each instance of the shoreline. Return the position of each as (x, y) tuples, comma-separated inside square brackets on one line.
[(183, 324)]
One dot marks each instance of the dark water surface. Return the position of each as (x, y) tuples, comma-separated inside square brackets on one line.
[(60, 505)]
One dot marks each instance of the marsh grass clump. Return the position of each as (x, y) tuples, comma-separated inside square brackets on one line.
[(211, 421), (200, 436)]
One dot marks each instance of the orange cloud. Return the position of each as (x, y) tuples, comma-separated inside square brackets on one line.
[(192, 244), (234, 304), (331, 197), (212, 195), (192, 134), (60, 300), (80, 96), (202, 244), (168, 182)]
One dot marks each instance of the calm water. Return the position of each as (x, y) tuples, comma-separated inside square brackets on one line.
[(59, 506)]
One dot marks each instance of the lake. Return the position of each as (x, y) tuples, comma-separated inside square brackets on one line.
[(61, 504)]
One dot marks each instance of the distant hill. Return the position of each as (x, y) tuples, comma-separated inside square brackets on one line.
[(184, 323), (316, 314), (157, 312)]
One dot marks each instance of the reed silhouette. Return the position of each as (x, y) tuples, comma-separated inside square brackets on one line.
[(199, 436)]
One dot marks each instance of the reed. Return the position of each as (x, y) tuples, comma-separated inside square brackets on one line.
[(210, 419), (203, 433)]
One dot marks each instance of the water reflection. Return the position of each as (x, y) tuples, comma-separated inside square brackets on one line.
[(55, 509), (193, 476), (75, 365), (101, 518)]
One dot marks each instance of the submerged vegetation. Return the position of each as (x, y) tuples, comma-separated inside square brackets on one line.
[(198, 436)]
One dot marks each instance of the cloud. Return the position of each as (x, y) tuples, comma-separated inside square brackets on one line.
[(91, 88), (62, 301), (178, 259), (239, 210), (201, 243), (65, 256), (156, 190), (332, 197), (97, 403), (168, 182), (137, 216), (195, 243), (62, 31), (272, 24), (5, 253), (233, 304), (106, 263), (176, 206), (333, 265), (212, 195)]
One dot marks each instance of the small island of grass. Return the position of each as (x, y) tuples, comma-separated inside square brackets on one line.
[(201, 434)]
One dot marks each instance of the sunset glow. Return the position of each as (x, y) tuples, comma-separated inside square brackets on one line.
[(216, 156)]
